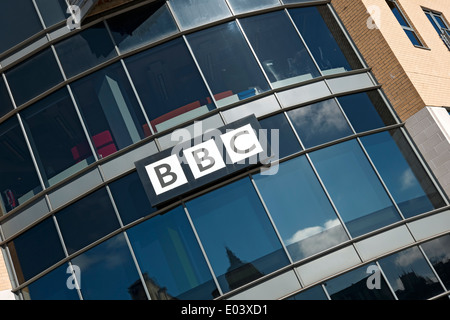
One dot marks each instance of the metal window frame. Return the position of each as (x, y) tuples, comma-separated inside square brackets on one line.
[(445, 32), (409, 27)]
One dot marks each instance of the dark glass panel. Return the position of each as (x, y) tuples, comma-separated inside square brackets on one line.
[(169, 85), (300, 209), (18, 178), (403, 174), (438, 252), (314, 293), (358, 285), (287, 142), (130, 198), (34, 76), (240, 6), (236, 234), (410, 276), (354, 188), (36, 250), (413, 37), (52, 286), (108, 272), (193, 13), (87, 220), (110, 109), (325, 39), (85, 50), (181, 271), (5, 100), (398, 15), (52, 11), (227, 63), (279, 49), (366, 111), (57, 138), (143, 25), (13, 29), (319, 123)]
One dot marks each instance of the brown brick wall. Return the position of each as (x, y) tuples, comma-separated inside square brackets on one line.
[(377, 53)]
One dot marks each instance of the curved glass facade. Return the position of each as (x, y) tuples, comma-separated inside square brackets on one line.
[(79, 110)]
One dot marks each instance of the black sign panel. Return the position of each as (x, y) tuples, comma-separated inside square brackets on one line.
[(203, 160)]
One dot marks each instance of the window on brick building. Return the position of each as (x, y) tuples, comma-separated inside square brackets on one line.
[(409, 30), (440, 25)]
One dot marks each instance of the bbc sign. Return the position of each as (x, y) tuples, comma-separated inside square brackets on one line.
[(185, 168)]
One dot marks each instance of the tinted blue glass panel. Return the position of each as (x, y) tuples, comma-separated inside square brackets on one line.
[(36, 250), (435, 26), (354, 285), (240, 6), (354, 188), (236, 234), (193, 13), (407, 181), (168, 98), (300, 209), (87, 220), (52, 286), (5, 101), (57, 138), (85, 50), (438, 252), (227, 63), (144, 25), (366, 111), (110, 109), (130, 198), (286, 142), (18, 178), (398, 15), (109, 273), (279, 49), (325, 39), (315, 293), (52, 11), (14, 30), (412, 36), (410, 275), (34, 76), (181, 271), (319, 123)]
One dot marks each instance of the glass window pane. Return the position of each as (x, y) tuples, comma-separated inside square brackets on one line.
[(52, 286), (238, 252), (193, 13), (319, 123), (34, 76), (353, 286), (108, 272), (283, 144), (57, 138), (240, 6), (366, 111), (279, 49), (435, 26), (440, 21), (18, 178), (412, 36), (36, 250), (354, 188), (325, 39), (85, 50), (52, 11), (410, 276), (110, 109), (181, 271), (143, 25), (130, 198), (438, 252), (406, 179), (5, 101), (22, 28), (398, 15), (169, 98), (227, 63), (300, 210), (314, 293), (87, 220)]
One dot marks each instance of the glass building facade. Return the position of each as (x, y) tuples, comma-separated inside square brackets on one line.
[(351, 203)]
